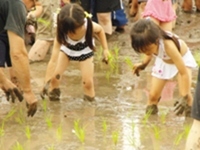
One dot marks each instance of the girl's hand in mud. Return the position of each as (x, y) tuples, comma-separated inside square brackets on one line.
[(11, 91), (138, 67), (180, 105), (106, 56), (31, 103), (32, 108)]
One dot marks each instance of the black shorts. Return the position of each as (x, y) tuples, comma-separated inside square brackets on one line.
[(196, 101), (99, 6), (106, 5), (5, 60)]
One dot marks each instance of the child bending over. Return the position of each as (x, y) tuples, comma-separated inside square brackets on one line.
[(75, 32), (173, 57)]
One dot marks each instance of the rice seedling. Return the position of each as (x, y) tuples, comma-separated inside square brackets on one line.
[(59, 132), (18, 146), (104, 126), (52, 147), (128, 62), (146, 118), (182, 135), (197, 57), (48, 120), (79, 131), (2, 131), (10, 114), (156, 131), (28, 132), (44, 105), (163, 117), (131, 137), (115, 137), (20, 118)]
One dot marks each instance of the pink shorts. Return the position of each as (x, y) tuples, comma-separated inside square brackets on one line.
[(160, 9)]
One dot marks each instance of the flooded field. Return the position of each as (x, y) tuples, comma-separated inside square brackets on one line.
[(116, 120)]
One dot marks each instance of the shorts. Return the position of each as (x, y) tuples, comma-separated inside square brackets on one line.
[(101, 6), (163, 70), (119, 18), (160, 10), (5, 60), (196, 102), (77, 53)]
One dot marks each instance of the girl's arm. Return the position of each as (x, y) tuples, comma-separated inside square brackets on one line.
[(177, 59), (141, 66), (98, 30)]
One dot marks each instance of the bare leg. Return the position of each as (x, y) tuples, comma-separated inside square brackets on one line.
[(157, 86), (39, 50), (104, 19), (133, 7), (87, 72), (53, 60), (187, 5), (193, 139)]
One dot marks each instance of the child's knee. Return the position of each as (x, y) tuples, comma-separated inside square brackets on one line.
[(88, 84)]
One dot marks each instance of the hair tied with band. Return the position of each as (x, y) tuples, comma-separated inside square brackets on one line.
[(87, 15)]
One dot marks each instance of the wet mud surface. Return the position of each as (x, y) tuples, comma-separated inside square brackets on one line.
[(116, 120)]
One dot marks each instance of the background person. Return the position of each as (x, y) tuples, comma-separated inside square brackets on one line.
[(13, 51)]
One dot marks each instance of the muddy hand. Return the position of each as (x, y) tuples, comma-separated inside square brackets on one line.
[(31, 102), (138, 68), (45, 90), (180, 105), (12, 94), (32, 108), (11, 91), (107, 56)]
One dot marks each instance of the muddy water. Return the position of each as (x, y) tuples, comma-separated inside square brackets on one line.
[(115, 121)]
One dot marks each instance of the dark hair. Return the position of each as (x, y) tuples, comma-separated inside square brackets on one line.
[(71, 17), (145, 32)]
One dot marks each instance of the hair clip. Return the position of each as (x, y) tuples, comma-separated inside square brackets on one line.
[(87, 15)]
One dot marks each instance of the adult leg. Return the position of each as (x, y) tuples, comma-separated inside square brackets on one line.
[(187, 5), (39, 50), (133, 7), (87, 73), (193, 139), (104, 19), (197, 3)]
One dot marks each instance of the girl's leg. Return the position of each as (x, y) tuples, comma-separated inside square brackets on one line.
[(154, 95), (54, 91), (166, 26), (193, 139), (87, 72)]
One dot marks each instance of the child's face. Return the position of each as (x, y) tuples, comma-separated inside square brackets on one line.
[(77, 31), (150, 49)]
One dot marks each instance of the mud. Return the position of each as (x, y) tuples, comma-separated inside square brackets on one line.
[(116, 119)]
